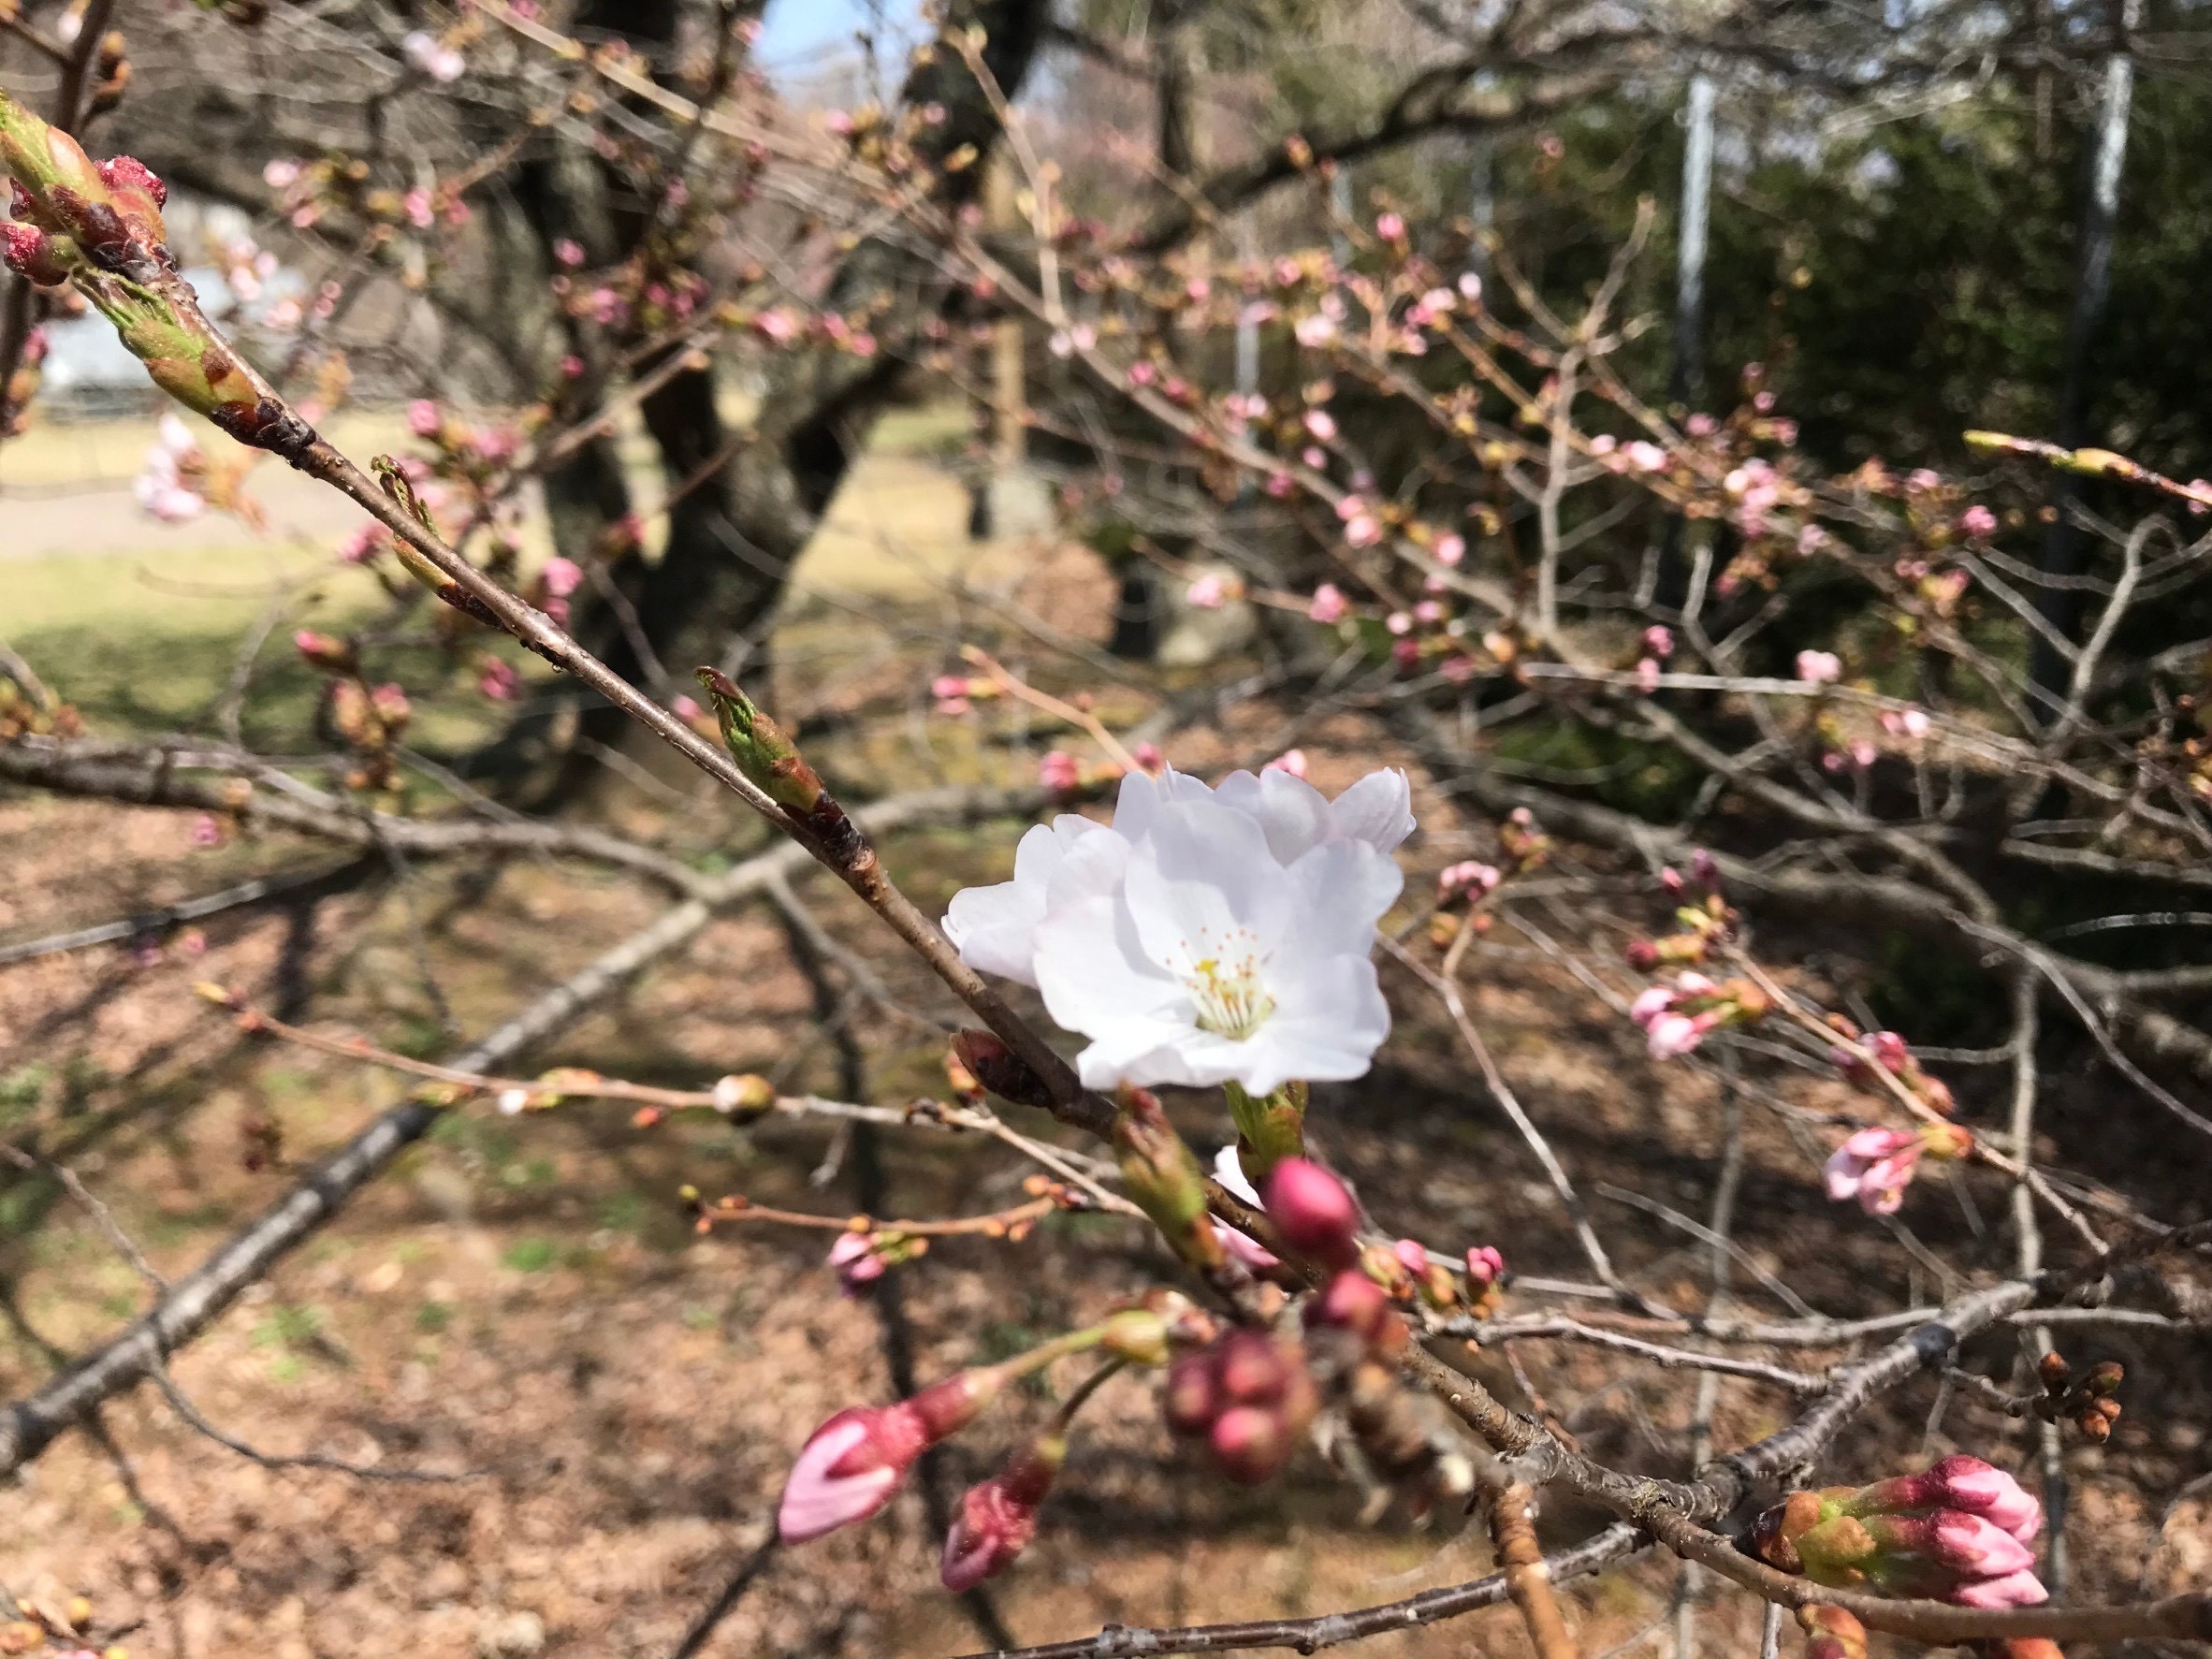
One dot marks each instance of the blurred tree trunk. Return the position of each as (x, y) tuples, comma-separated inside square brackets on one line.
[(733, 540)]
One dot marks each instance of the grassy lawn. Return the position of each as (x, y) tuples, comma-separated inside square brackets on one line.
[(142, 625)]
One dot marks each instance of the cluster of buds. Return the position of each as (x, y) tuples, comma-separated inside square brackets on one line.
[(1703, 918), (25, 712), (1958, 1532), (2087, 1402), (1249, 1396), (1467, 883), (1676, 1019), (99, 227), (369, 720), (1875, 1165), (1396, 1438), (1890, 1054)]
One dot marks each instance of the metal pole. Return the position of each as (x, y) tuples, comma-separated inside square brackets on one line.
[(1688, 378)]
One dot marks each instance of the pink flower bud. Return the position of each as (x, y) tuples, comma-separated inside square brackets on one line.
[(1249, 1368), (2014, 1590), (1970, 1484), (1328, 607), (1291, 761), (391, 705), (1978, 521), (1058, 773), (422, 418), (1647, 675), (33, 255), (1474, 879), (1207, 593), (1659, 641), (1819, 668), (851, 1465), (1873, 1167), (1485, 1266), (998, 1516), (1314, 1212), (854, 1259), (848, 1470), (1672, 1035), (1390, 226), (1249, 1443), (1190, 1401), (497, 680), (1353, 1301), (322, 651), (562, 577), (1973, 1543)]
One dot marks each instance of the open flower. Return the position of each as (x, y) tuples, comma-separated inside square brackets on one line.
[(1873, 1167), (996, 927), (1217, 961)]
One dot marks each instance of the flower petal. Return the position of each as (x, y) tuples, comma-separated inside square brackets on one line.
[(1203, 885), (1377, 810), (1343, 888), (1291, 812), (1097, 979)]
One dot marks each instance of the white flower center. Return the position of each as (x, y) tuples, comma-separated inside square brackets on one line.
[(1226, 985)]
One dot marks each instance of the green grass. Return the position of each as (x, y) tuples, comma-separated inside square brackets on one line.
[(146, 641)]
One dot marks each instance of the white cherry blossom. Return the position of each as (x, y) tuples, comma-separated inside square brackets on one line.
[(995, 927), (1215, 960)]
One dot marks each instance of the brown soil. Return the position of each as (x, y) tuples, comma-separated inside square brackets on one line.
[(525, 1300)]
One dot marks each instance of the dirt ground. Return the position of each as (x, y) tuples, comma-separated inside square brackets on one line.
[(523, 1309)]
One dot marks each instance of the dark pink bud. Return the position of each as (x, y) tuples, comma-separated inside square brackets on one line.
[(1485, 1266), (1190, 1403), (1314, 1212), (1249, 1443), (323, 652), (1643, 955), (998, 1516), (33, 255), (1251, 1367), (1353, 1301), (851, 1465), (848, 1470), (128, 175)]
